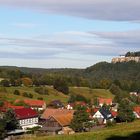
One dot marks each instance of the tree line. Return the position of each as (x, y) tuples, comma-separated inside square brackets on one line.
[(101, 75)]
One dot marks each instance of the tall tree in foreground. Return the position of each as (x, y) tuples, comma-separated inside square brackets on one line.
[(80, 118), (10, 119), (125, 111), (2, 129)]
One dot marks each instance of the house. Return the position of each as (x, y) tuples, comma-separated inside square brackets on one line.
[(103, 101), (103, 115), (34, 104), (69, 106), (133, 93), (57, 121), (114, 114), (56, 104), (136, 111), (114, 107), (57, 124), (27, 117), (7, 105)]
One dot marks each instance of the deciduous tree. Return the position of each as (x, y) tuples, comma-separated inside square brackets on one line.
[(125, 111)]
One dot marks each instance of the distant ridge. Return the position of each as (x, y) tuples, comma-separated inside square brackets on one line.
[(40, 70)]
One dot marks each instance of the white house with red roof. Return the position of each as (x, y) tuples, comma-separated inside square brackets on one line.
[(102, 101), (27, 117), (34, 104), (136, 111)]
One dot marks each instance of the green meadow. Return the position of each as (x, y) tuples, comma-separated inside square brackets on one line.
[(127, 131), (54, 94)]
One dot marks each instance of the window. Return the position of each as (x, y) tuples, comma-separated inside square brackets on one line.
[(23, 122), (36, 120)]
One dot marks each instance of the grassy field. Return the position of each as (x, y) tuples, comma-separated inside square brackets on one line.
[(54, 94), (126, 131), (91, 93)]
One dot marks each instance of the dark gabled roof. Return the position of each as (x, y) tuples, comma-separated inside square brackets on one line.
[(106, 113)]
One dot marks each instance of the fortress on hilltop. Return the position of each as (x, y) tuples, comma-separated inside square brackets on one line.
[(129, 56)]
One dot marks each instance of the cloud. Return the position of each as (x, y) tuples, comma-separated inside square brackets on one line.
[(125, 40), (70, 45), (115, 10)]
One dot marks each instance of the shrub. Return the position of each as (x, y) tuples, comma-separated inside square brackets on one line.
[(40, 98), (25, 94), (16, 92), (27, 81), (110, 123), (3, 89), (29, 95), (1, 103), (78, 97), (42, 90)]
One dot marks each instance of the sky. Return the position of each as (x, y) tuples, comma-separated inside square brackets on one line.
[(67, 33)]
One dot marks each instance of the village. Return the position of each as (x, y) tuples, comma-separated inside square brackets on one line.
[(56, 118)]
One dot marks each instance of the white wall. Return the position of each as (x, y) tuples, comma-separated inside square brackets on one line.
[(25, 123)]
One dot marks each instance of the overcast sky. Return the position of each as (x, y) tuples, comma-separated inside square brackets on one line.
[(67, 33)]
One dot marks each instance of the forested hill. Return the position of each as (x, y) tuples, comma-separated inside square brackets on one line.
[(127, 70), (100, 75), (126, 75), (43, 70), (122, 71)]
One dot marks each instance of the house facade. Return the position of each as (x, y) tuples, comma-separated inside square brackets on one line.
[(34, 104), (136, 111), (103, 115), (57, 121), (27, 118)]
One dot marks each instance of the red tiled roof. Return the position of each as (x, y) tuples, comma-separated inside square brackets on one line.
[(24, 113), (16, 107), (8, 105), (88, 110), (51, 112), (33, 103), (114, 113), (95, 110), (104, 100), (137, 110), (2, 109)]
